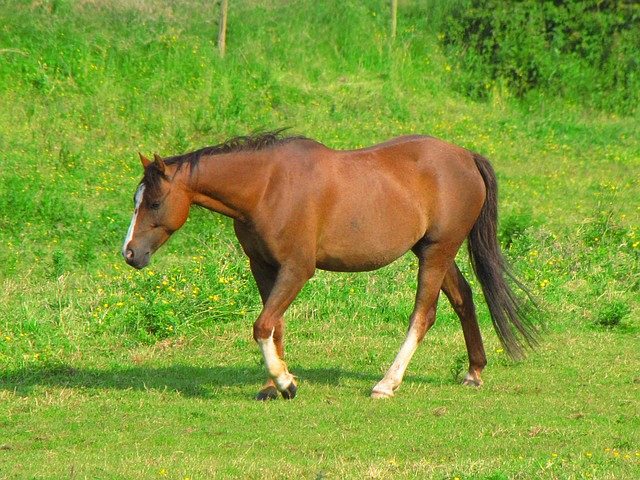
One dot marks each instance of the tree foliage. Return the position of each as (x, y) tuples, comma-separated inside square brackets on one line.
[(587, 51)]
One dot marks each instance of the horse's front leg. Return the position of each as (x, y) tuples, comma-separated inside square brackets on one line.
[(269, 328), (269, 391), (265, 276)]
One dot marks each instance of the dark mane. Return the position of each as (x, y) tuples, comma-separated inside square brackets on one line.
[(258, 141)]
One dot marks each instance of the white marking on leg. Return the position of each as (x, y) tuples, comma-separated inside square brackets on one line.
[(472, 379), (393, 377), (275, 366), (134, 218)]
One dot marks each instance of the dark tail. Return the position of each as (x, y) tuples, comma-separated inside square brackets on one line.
[(508, 313)]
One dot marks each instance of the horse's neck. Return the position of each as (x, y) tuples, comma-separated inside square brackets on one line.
[(230, 183)]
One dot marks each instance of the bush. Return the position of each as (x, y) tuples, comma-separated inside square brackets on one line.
[(585, 51), (612, 313), (513, 227)]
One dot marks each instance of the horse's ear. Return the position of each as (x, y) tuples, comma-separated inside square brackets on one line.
[(159, 162), (145, 161)]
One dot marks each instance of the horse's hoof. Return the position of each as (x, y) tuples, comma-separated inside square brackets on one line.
[(290, 392), (471, 381), (380, 393), (267, 393)]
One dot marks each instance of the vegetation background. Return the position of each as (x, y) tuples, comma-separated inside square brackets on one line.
[(106, 372)]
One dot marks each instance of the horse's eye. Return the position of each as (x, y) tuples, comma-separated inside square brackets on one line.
[(155, 205)]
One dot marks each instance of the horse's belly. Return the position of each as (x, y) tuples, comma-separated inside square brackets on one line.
[(361, 245), (356, 262)]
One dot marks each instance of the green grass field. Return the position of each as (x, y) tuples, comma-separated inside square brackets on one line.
[(107, 372)]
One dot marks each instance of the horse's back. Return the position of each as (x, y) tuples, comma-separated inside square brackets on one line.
[(422, 170), (429, 170), (362, 209), (371, 205)]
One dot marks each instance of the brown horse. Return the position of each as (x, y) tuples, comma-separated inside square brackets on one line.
[(298, 205)]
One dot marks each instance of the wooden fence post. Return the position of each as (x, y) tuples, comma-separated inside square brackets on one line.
[(394, 18), (222, 27)]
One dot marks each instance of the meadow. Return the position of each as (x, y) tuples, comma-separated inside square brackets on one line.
[(108, 372)]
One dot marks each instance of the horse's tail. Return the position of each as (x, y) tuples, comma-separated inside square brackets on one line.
[(507, 311)]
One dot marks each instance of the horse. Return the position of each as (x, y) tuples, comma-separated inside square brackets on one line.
[(298, 206)]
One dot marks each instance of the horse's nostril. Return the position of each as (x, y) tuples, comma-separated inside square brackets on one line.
[(129, 254)]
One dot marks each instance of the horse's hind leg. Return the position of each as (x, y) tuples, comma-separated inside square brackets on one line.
[(434, 261), (458, 292)]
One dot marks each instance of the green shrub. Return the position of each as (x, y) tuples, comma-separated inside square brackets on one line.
[(513, 227), (585, 51), (612, 313)]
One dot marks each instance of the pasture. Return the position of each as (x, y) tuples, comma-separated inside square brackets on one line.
[(108, 372)]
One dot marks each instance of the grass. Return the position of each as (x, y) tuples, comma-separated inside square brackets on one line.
[(112, 373)]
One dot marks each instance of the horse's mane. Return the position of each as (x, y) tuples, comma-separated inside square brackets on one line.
[(254, 142), (257, 141)]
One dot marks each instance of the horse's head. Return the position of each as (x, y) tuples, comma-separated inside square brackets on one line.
[(161, 207)]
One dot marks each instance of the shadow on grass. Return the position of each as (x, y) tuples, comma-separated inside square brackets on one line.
[(187, 380)]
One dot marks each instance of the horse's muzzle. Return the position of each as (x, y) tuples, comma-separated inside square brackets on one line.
[(136, 260)]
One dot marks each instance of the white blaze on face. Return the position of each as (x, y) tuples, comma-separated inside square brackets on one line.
[(134, 219)]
